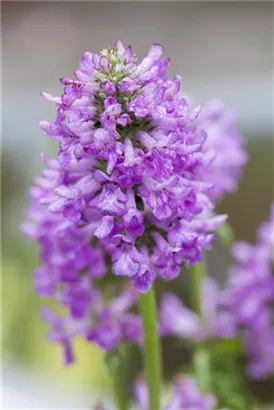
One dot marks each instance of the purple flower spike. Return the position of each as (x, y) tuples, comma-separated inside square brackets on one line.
[(128, 185), (128, 167), (250, 298)]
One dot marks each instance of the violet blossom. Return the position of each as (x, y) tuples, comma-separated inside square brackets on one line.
[(250, 297)]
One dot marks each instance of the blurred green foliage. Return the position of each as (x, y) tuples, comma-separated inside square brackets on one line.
[(228, 377), (24, 333)]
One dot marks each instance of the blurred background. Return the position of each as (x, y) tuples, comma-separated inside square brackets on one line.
[(221, 49)]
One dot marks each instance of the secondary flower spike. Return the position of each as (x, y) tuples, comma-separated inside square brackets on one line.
[(250, 297)]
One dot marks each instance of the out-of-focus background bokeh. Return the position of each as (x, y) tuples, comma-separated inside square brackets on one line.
[(222, 50)]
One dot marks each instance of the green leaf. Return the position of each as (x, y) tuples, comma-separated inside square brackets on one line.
[(113, 361), (226, 346), (228, 383), (226, 234)]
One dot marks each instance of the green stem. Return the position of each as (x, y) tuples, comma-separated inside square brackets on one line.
[(201, 355), (202, 368), (152, 351), (116, 366), (197, 275), (226, 234)]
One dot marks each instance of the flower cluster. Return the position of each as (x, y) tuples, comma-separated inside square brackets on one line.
[(178, 320), (250, 296), (126, 194), (186, 395), (129, 156)]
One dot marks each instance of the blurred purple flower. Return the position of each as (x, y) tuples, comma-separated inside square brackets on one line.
[(223, 148), (186, 395), (250, 297), (178, 320)]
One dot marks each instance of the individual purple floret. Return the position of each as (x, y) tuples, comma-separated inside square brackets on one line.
[(250, 296), (224, 149), (186, 395), (125, 193), (178, 320)]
